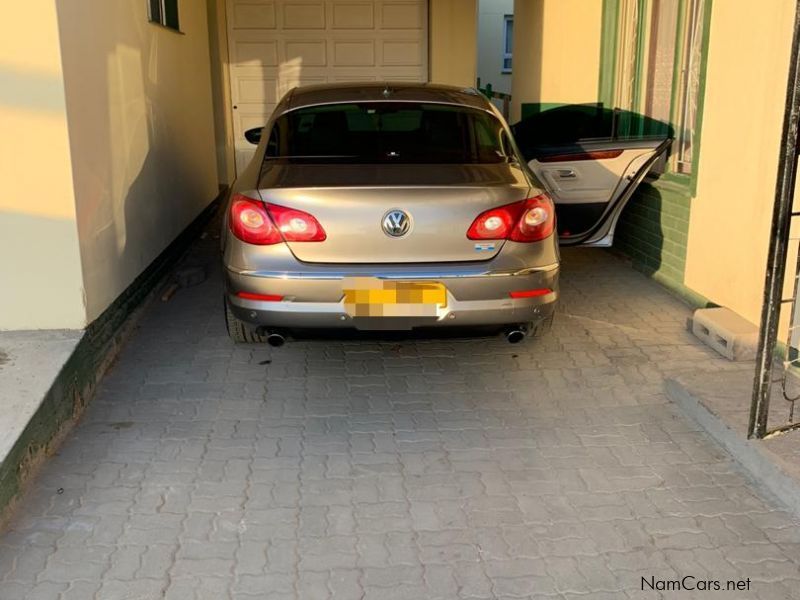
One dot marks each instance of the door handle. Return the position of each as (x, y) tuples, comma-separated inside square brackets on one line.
[(566, 173)]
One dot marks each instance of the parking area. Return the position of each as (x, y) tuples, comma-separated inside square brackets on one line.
[(393, 467)]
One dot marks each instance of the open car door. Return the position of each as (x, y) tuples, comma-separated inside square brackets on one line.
[(588, 167)]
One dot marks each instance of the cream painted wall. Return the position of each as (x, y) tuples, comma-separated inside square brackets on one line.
[(729, 227), (40, 267), (221, 91), (141, 133), (453, 43), (556, 51), (491, 43)]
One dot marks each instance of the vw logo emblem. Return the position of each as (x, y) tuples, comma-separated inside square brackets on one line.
[(396, 223)]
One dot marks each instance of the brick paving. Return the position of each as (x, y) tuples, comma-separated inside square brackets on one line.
[(421, 468)]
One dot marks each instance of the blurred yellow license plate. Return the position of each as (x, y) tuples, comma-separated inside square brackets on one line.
[(370, 297)]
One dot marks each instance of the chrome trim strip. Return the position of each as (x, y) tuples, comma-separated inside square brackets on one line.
[(437, 273)]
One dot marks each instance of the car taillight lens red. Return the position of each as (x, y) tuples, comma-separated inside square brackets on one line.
[(494, 224), (250, 222), (529, 220), (256, 222), (296, 225)]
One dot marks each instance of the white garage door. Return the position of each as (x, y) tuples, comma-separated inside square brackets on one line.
[(277, 45)]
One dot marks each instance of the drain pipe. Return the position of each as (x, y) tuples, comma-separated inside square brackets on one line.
[(778, 244)]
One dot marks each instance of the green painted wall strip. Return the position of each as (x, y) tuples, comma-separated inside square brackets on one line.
[(608, 52), (641, 49), (76, 383)]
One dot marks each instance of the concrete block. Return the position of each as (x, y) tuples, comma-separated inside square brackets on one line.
[(733, 336)]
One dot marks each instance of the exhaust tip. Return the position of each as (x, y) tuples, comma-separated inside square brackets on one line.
[(276, 340), (515, 336)]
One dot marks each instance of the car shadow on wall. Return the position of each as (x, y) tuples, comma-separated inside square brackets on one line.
[(571, 129)]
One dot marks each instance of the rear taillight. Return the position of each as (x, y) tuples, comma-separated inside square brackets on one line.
[(256, 222), (250, 222), (296, 225), (494, 224), (529, 220)]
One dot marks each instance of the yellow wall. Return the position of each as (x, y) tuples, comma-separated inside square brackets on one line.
[(141, 133), (453, 48), (556, 52), (729, 226), (40, 268)]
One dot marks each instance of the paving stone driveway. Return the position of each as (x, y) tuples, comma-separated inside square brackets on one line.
[(415, 469)]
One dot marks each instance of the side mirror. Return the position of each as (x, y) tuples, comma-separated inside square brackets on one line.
[(253, 135)]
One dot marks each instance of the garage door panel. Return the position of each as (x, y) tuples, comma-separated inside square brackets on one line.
[(354, 53), (303, 15), (276, 45), (248, 53), (402, 15), (354, 77), (254, 15), (310, 53), (285, 83), (400, 77), (407, 53), (353, 15), (256, 90)]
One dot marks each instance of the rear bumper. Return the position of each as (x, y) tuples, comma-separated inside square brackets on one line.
[(314, 298)]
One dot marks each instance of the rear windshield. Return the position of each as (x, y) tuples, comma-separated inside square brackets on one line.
[(387, 132)]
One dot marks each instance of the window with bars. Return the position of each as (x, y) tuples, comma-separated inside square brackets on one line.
[(164, 12)]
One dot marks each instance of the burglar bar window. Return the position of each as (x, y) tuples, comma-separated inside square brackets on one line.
[(165, 12)]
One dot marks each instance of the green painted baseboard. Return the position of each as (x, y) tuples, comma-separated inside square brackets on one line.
[(688, 295)]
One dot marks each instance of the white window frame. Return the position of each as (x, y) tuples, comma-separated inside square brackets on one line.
[(507, 43)]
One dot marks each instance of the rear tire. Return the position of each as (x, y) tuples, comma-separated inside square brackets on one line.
[(541, 328), (238, 331)]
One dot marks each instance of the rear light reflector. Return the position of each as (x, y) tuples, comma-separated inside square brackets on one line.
[(530, 293), (526, 221), (261, 297), (257, 222)]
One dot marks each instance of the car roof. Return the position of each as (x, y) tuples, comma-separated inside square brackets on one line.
[(335, 93)]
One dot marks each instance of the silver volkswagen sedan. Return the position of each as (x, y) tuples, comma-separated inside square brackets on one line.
[(388, 206)]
